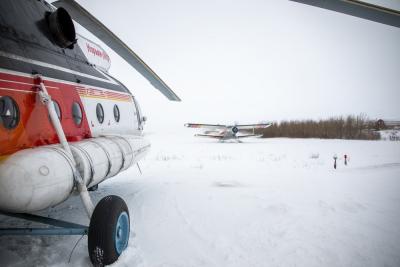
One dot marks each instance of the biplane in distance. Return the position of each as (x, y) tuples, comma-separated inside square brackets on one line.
[(228, 132)]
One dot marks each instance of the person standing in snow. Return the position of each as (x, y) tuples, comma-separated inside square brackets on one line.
[(334, 163), (345, 159)]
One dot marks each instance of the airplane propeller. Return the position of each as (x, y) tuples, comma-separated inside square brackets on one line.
[(87, 20), (235, 130)]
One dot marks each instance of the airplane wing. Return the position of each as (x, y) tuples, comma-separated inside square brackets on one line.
[(359, 9), (248, 135), (252, 126), (210, 136), (207, 126), (88, 21)]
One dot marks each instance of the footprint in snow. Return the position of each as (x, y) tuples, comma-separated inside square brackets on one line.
[(227, 184), (325, 208), (277, 209), (352, 207)]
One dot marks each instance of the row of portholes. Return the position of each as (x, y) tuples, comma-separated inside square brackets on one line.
[(100, 113), (76, 112), (10, 114)]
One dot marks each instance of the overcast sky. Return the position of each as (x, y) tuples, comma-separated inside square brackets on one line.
[(255, 60)]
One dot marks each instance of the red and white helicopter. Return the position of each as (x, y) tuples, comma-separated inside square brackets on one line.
[(66, 124), (228, 132)]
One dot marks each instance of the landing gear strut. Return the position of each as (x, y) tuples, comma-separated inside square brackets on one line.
[(108, 233)]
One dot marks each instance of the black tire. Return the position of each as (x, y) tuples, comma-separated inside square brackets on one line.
[(102, 235)]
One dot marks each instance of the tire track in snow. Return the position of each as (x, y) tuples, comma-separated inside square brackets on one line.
[(206, 248), (376, 167)]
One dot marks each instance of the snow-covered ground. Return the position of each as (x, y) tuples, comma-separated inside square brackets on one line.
[(264, 202)]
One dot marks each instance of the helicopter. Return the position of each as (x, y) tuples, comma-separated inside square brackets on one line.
[(66, 124)]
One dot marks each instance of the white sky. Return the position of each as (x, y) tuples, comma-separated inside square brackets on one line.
[(248, 61)]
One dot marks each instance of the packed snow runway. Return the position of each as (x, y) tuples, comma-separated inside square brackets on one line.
[(264, 202)]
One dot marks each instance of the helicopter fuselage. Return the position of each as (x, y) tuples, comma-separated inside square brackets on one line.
[(98, 114)]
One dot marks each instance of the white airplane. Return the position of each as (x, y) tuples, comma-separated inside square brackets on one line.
[(228, 132)]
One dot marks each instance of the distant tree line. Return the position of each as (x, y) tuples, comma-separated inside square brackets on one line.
[(349, 127)]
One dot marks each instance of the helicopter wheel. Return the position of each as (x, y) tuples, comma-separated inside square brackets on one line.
[(108, 231)]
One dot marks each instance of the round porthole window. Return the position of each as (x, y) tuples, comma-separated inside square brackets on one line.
[(77, 113), (100, 113), (57, 108), (116, 113), (9, 112)]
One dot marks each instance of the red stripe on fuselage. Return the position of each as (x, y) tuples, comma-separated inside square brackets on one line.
[(103, 94), (34, 127)]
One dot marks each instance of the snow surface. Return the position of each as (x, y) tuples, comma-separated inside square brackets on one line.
[(264, 202)]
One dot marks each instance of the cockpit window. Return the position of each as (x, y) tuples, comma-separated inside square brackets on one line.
[(138, 114), (9, 112)]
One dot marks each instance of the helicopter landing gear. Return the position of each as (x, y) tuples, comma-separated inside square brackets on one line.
[(109, 229), (93, 188), (108, 232)]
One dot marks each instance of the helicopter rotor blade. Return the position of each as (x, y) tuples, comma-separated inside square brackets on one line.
[(357, 8), (88, 21)]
